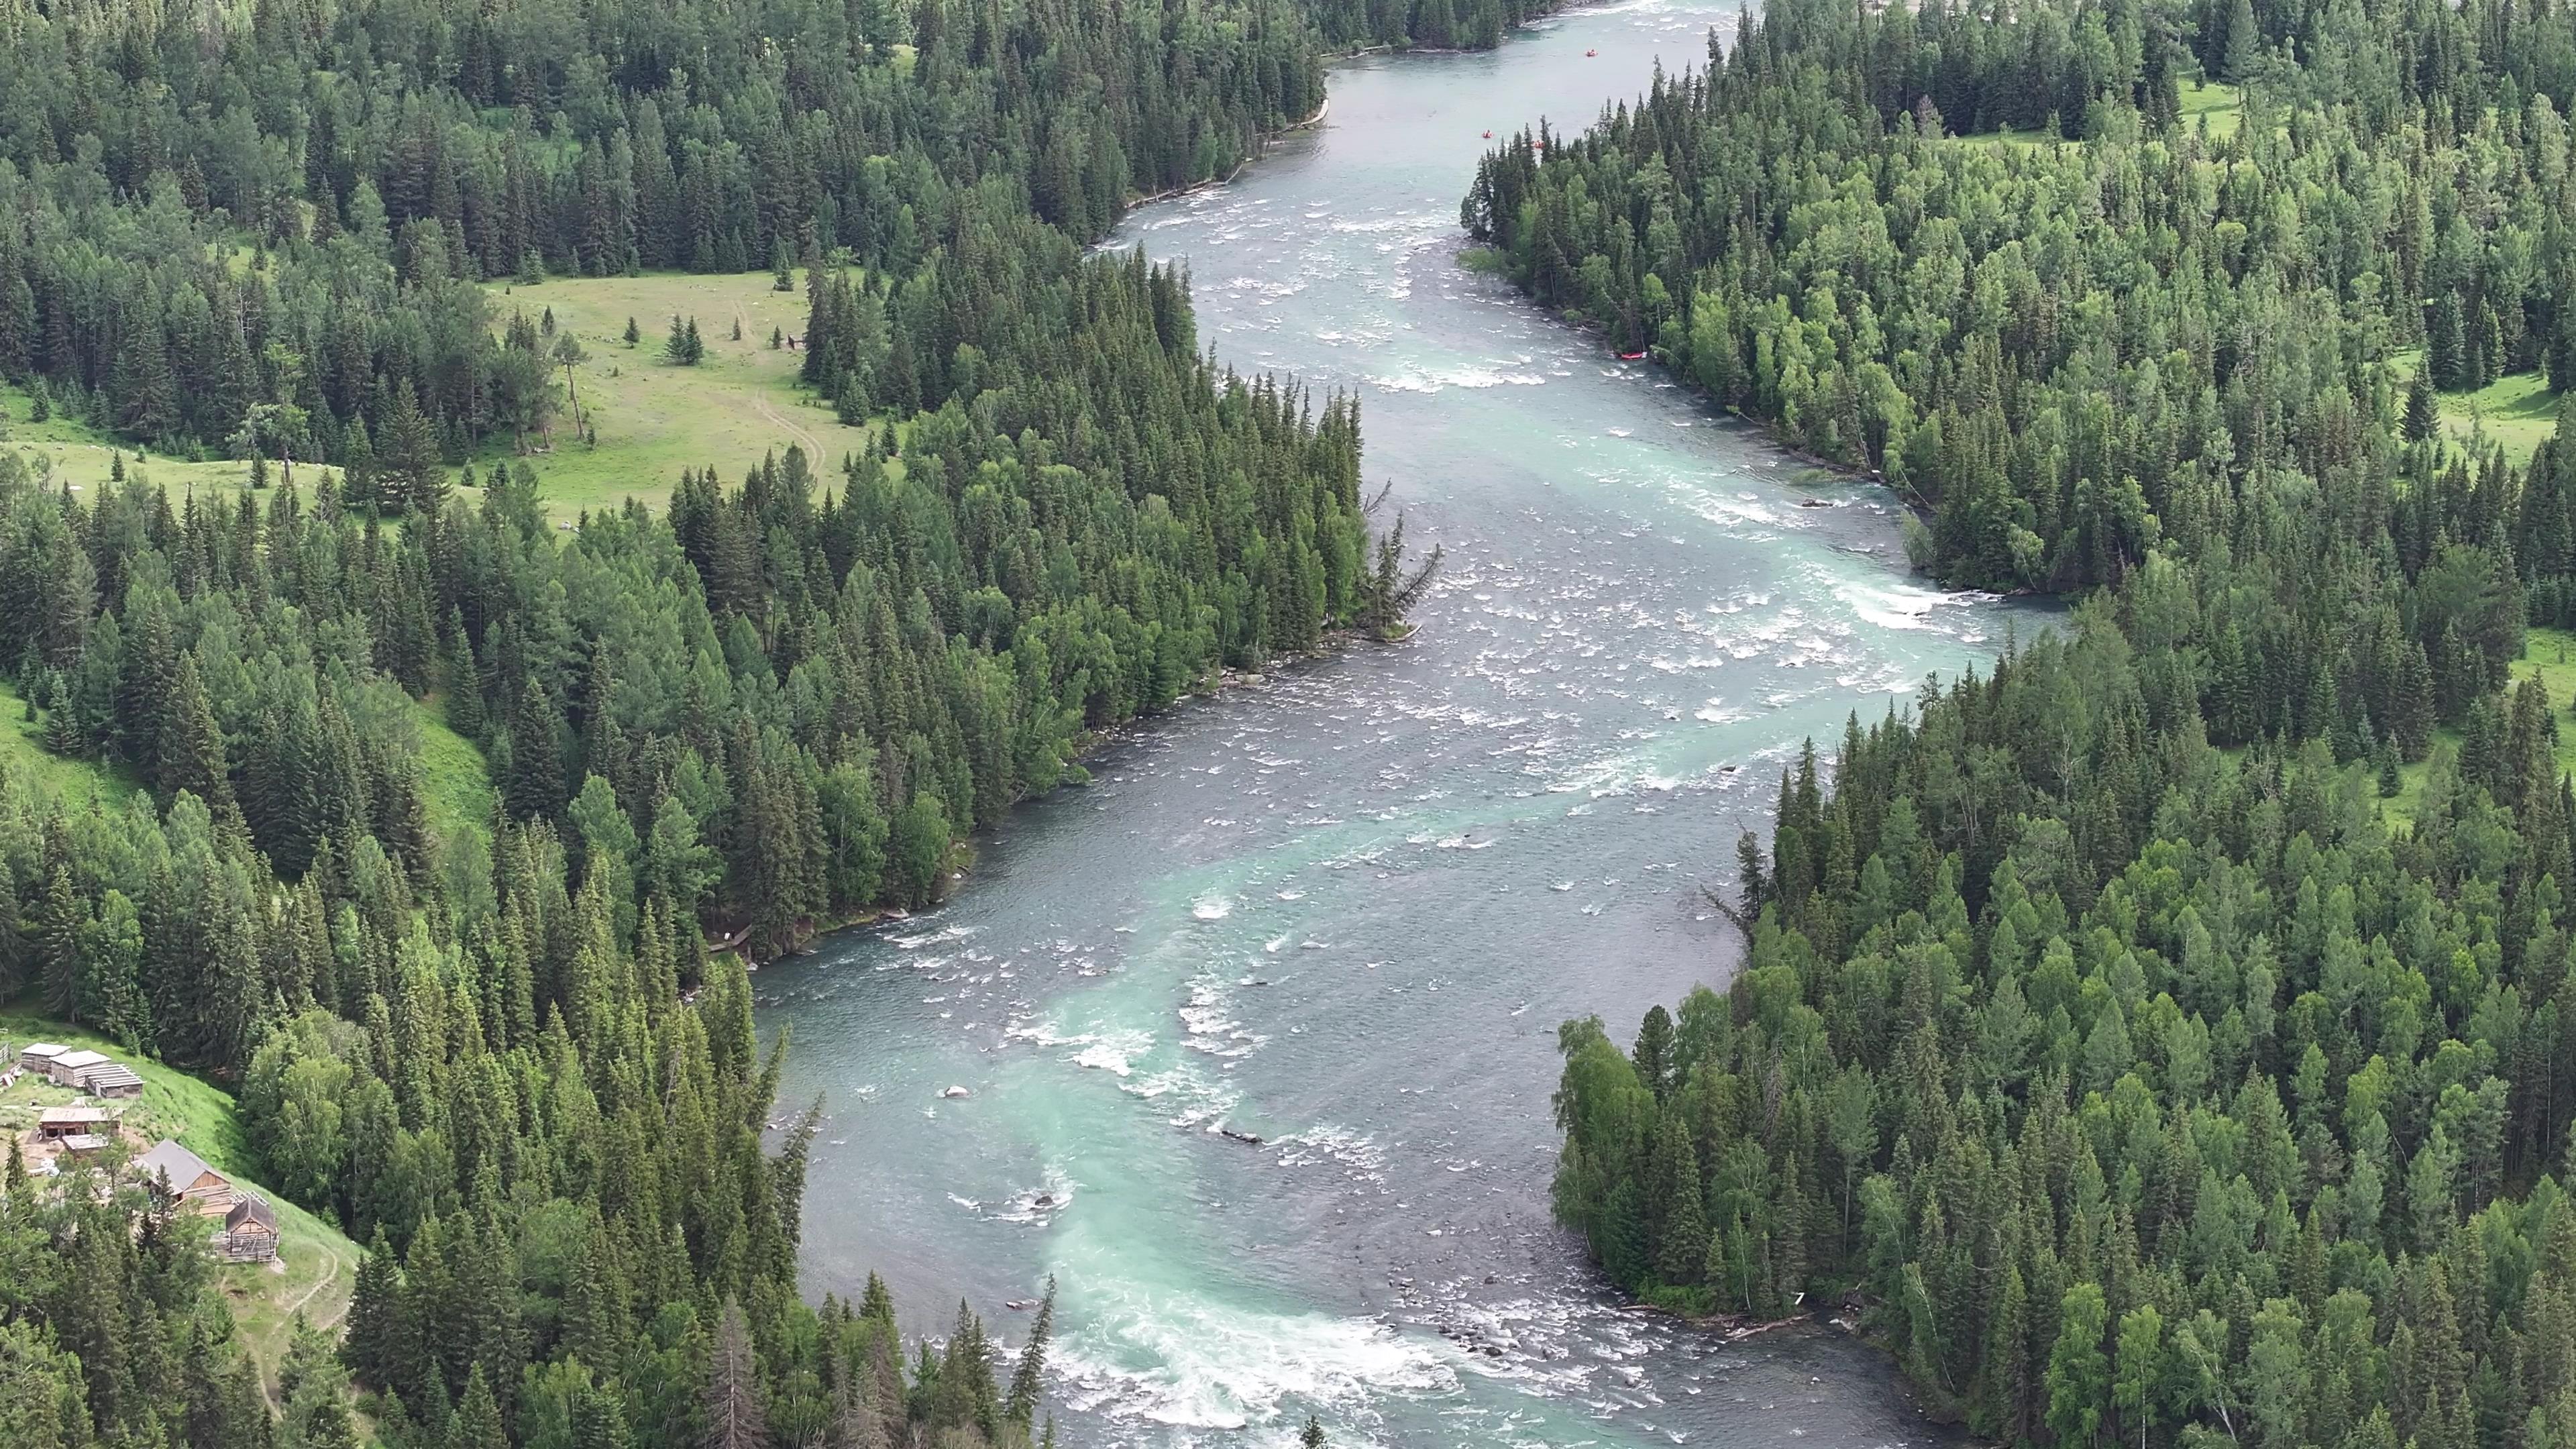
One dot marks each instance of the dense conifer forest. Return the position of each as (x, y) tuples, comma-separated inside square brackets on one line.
[(511, 1049), (2167, 1037)]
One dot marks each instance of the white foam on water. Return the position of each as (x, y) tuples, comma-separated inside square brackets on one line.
[(1212, 907), (1177, 1359), (1187, 1096), (930, 938), (1892, 605), (1114, 1052)]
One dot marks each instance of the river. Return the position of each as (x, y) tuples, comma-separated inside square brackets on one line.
[(1345, 909)]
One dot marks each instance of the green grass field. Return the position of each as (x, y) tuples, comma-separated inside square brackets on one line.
[(454, 776), (22, 744), (653, 418), (66, 448), (2517, 411), (2548, 655), (316, 1267), (2222, 106)]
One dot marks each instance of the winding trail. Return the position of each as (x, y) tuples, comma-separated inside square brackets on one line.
[(814, 451)]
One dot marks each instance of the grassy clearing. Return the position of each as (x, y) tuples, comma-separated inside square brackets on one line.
[(654, 419), (457, 782), (2519, 412), (65, 448), (22, 743), (2221, 107), (317, 1267), (2548, 655)]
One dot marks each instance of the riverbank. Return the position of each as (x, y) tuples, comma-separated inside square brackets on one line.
[(958, 869), (1227, 179)]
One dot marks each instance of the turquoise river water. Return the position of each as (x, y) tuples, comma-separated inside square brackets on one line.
[(1345, 909)]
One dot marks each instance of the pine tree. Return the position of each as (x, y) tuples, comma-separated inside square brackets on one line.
[(372, 1348), (1029, 1378), (192, 746), (477, 1421), (408, 458), (2423, 413), (633, 335)]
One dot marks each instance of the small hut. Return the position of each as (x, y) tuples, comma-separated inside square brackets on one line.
[(38, 1056), (250, 1231), (54, 1124)]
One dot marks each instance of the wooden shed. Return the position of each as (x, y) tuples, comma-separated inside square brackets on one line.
[(177, 1175), (250, 1231), (54, 1124), (66, 1069)]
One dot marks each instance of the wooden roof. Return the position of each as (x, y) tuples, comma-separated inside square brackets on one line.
[(251, 1213), (169, 1159), (64, 1116)]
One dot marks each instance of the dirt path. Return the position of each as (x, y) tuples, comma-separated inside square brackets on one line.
[(814, 454), (329, 1277)]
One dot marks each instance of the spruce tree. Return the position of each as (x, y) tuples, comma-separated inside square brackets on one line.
[(2423, 412), (192, 757)]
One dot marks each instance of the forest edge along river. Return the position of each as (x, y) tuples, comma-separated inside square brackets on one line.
[(1252, 1041)]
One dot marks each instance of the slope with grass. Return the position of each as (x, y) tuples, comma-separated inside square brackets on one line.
[(653, 417), (458, 782), (2548, 655), (65, 449), (316, 1267), (22, 746)]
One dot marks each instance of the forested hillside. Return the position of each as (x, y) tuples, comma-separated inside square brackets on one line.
[(2072, 353), (1440, 24), (2148, 1078), (514, 1053)]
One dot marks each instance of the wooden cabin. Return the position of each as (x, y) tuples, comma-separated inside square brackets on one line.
[(66, 1069), (179, 1176), (38, 1056), (54, 1124), (250, 1231)]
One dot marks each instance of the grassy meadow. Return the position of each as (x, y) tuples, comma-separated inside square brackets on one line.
[(2548, 655), (654, 418)]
